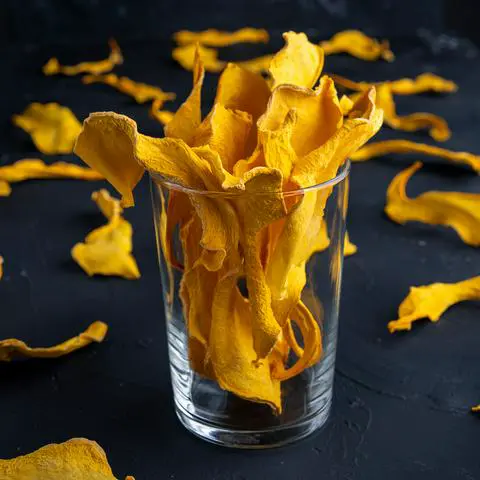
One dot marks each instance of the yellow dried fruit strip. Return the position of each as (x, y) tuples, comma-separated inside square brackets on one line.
[(425, 82), (438, 127), (107, 249), (162, 116), (5, 189), (53, 128), (141, 92), (53, 67), (75, 459), (431, 301), (358, 45), (386, 147), (457, 210), (185, 56), (12, 348), (217, 38)]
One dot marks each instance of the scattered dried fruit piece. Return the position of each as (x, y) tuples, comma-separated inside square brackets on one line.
[(76, 459), (5, 189), (358, 45), (12, 348), (257, 64), (53, 67), (53, 128), (217, 38), (185, 56), (386, 147), (457, 210), (425, 82), (141, 92), (107, 249), (162, 116), (431, 301)]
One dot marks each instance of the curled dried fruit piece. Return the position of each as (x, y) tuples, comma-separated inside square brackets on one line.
[(53, 67), (53, 128), (12, 348), (217, 38), (76, 459), (386, 147), (141, 92), (431, 301), (107, 249), (185, 56), (425, 82), (457, 210), (358, 45), (162, 116)]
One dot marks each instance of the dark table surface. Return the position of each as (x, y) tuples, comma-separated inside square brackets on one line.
[(401, 407)]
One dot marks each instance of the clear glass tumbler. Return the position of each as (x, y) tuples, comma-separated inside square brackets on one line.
[(232, 384)]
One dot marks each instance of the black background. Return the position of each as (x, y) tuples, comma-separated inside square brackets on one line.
[(402, 401)]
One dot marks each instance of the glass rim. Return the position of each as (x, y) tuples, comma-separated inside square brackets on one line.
[(342, 174)]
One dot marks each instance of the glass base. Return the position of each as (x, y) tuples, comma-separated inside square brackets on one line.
[(254, 439)]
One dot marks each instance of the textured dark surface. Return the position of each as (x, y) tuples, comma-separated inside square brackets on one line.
[(402, 402)]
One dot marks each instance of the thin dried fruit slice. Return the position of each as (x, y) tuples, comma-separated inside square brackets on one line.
[(185, 56), (141, 92), (257, 64), (386, 147), (108, 249), (358, 45), (431, 301), (162, 116), (457, 210), (298, 63), (13, 348), (5, 189), (218, 38), (53, 128), (53, 67), (76, 459)]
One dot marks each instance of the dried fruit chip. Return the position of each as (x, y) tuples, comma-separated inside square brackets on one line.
[(358, 45), (216, 38), (386, 147), (12, 348), (453, 209), (298, 63), (425, 82), (431, 301), (53, 67), (76, 459), (53, 128), (185, 56), (5, 189), (257, 64), (438, 127), (141, 92), (107, 249), (162, 116)]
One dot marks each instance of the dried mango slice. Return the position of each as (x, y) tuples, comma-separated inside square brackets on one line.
[(257, 64), (217, 38), (5, 189), (386, 147), (141, 92), (423, 83), (107, 249), (162, 116), (53, 128), (359, 45), (438, 127), (12, 348), (76, 459), (298, 63), (185, 56), (431, 301), (53, 67), (452, 209)]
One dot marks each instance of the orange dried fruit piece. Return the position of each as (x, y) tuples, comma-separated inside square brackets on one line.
[(141, 92), (359, 45), (257, 64), (53, 128), (107, 249), (75, 459), (53, 67), (386, 147), (162, 116), (431, 301), (5, 189), (185, 56), (457, 210), (218, 38), (13, 348)]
